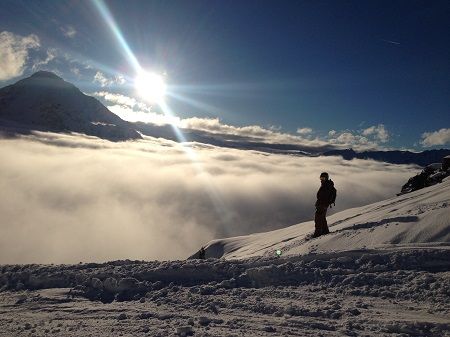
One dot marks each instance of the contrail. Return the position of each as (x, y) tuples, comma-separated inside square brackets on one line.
[(390, 41)]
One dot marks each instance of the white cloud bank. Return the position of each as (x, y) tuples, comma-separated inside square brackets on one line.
[(78, 198), (14, 51), (440, 137), (133, 110)]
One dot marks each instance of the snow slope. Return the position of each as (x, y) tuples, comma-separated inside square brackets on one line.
[(417, 219), (389, 276)]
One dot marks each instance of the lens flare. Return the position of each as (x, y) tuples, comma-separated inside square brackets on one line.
[(109, 20), (150, 87)]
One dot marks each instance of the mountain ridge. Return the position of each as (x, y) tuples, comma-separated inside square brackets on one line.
[(45, 102)]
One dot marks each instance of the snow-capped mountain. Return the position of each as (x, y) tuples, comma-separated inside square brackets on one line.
[(416, 219), (46, 102)]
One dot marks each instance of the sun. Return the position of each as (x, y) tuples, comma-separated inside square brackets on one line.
[(150, 86)]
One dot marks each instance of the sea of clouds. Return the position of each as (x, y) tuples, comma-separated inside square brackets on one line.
[(72, 198)]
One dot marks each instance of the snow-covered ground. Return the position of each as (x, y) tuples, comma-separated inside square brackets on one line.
[(417, 219), (384, 270)]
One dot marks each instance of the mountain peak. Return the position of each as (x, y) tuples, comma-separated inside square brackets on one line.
[(44, 101), (45, 74)]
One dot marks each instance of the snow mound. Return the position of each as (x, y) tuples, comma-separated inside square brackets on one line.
[(406, 273), (418, 219)]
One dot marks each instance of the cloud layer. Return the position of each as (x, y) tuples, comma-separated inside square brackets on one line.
[(77, 198)]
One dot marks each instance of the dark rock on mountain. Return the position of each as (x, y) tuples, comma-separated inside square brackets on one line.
[(431, 175), (44, 101)]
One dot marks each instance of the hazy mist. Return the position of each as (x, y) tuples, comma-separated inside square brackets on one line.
[(67, 199)]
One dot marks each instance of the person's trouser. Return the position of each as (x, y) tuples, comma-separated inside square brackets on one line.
[(321, 220)]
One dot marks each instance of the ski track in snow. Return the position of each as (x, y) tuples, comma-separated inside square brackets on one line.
[(399, 292)]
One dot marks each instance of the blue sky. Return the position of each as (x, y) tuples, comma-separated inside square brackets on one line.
[(368, 74)]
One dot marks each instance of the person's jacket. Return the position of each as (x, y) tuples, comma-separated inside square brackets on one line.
[(324, 193)]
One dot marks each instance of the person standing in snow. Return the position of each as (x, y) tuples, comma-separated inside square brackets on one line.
[(326, 196)]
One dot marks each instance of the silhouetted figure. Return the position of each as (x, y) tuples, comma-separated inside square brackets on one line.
[(325, 197), (202, 253)]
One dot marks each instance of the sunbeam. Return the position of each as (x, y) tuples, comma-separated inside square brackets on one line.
[(107, 16), (218, 202), (212, 191)]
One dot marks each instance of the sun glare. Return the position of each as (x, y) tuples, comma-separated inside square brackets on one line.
[(150, 86)]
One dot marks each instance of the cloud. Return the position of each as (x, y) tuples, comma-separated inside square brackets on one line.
[(51, 55), (68, 31), (14, 53), (121, 100), (75, 70), (127, 113), (77, 198), (105, 81), (348, 139), (379, 132), (214, 125), (134, 110), (366, 139), (252, 133), (440, 137), (304, 131), (100, 78)]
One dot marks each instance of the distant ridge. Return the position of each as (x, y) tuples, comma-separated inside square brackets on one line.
[(44, 101), (395, 157)]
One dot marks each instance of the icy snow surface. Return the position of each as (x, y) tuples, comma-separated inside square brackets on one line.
[(383, 271)]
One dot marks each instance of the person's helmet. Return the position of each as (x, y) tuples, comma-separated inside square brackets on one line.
[(324, 174)]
